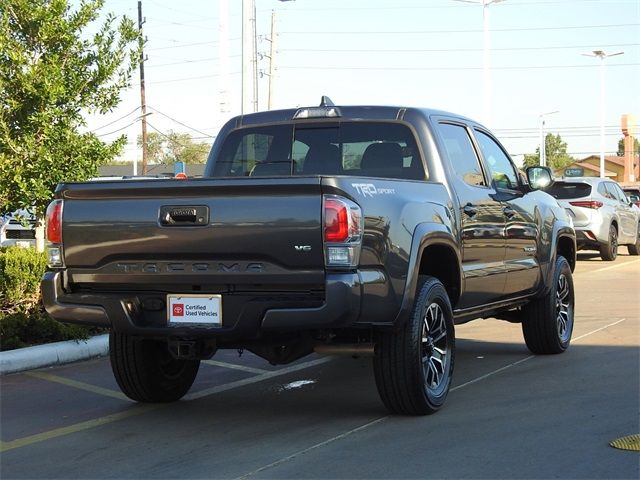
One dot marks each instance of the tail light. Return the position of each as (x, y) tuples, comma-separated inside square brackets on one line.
[(588, 204), (54, 233), (342, 233)]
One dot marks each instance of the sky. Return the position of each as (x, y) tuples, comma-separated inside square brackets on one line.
[(425, 53)]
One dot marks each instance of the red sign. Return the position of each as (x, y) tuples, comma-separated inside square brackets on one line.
[(178, 310)]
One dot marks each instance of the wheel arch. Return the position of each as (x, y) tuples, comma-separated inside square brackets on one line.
[(431, 243), (563, 242), (614, 223), (567, 248), (436, 261)]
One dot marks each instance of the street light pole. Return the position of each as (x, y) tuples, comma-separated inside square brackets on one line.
[(543, 143), (602, 55), (486, 60)]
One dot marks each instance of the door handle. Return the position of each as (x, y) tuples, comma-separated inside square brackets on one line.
[(509, 212), (470, 210), (184, 215)]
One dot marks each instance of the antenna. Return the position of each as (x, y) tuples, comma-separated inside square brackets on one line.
[(326, 102)]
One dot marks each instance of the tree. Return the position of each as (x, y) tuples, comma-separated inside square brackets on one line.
[(636, 147), (174, 147), (56, 65), (556, 153)]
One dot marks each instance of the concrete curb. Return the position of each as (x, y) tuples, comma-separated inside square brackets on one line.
[(22, 359)]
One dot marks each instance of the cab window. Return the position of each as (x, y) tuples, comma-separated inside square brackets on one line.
[(461, 154), (503, 173)]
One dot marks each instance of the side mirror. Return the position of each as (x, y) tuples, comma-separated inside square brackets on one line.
[(539, 177)]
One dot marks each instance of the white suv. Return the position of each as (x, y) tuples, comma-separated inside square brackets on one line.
[(603, 216), (13, 232)]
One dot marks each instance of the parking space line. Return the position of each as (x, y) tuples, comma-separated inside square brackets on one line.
[(598, 330), (234, 366), (613, 266), (79, 385), (313, 447), (381, 419), (141, 409), (258, 378), (77, 427)]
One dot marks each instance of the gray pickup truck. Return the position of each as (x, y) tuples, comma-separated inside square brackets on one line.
[(334, 229)]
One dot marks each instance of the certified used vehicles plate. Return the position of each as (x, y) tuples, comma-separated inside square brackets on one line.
[(199, 309)]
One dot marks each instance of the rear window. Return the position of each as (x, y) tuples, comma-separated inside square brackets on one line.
[(566, 190), (368, 149)]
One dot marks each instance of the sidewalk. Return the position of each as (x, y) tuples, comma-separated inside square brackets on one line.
[(21, 359)]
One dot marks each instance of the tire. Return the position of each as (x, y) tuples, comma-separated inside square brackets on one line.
[(634, 249), (548, 321), (413, 366), (609, 252), (146, 371)]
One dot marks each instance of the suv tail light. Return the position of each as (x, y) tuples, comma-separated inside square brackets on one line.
[(54, 233), (588, 204), (342, 231)]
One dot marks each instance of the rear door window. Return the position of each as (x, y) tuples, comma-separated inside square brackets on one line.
[(617, 192), (567, 190), (368, 149), (461, 154)]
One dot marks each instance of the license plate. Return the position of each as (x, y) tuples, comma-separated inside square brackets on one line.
[(198, 309), (23, 244)]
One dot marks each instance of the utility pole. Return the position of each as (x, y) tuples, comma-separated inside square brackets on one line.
[(254, 54), (223, 49), (244, 89), (272, 53), (143, 103), (249, 58)]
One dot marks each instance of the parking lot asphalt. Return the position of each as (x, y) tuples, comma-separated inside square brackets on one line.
[(510, 414)]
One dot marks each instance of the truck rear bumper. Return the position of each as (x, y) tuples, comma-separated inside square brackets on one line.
[(340, 309)]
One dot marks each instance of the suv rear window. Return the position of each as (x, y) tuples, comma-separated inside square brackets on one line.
[(367, 149), (565, 190)]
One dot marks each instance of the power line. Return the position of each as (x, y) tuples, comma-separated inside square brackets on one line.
[(434, 7), (182, 62), (570, 135), (208, 42), (185, 12), (118, 130), (419, 50), (413, 32), (609, 153), (391, 68), (166, 136), (179, 122), (186, 79), (115, 121), (178, 24)]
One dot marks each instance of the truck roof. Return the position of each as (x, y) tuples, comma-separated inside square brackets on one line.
[(350, 112)]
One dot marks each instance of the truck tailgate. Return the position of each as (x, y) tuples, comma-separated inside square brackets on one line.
[(246, 228)]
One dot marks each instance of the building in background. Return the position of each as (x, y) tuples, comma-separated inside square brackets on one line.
[(623, 169)]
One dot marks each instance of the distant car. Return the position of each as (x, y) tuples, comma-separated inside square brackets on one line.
[(18, 229), (633, 194), (602, 215)]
